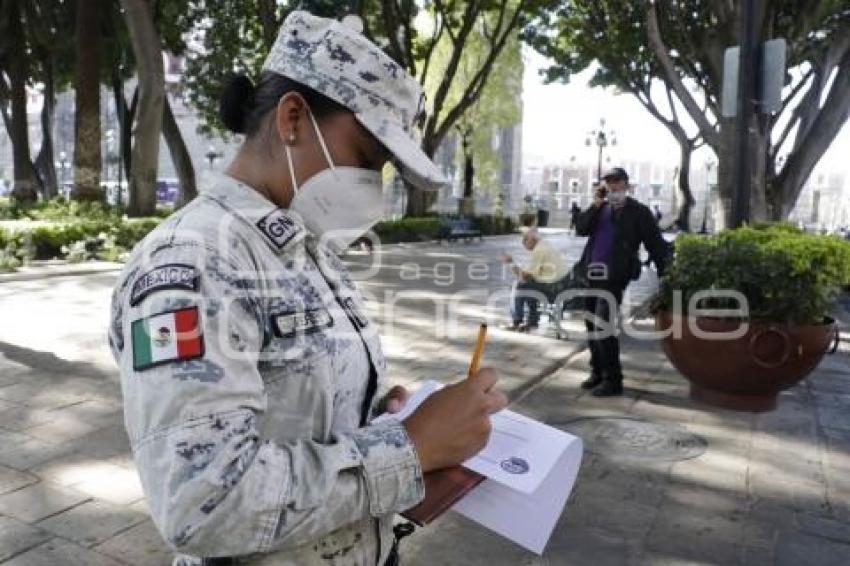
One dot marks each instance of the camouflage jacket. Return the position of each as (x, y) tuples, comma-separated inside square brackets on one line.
[(250, 372)]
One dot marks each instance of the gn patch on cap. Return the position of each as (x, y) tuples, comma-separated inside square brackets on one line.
[(167, 337)]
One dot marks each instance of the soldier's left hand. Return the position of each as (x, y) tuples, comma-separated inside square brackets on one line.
[(394, 400)]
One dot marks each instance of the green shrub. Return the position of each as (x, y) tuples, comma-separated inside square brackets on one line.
[(62, 210), (58, 240), (131, 232), (9, 261), (496, 225), (408, 230), (786, 275), (428, 228), (6, 209), (59, 209)]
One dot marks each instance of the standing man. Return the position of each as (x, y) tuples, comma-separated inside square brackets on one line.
[(617, 225), (575, 211), (546, 268)]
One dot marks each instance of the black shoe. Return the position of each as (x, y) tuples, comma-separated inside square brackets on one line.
[(592, 381), (608, 389)]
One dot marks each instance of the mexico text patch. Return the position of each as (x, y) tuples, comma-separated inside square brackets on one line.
[(167, 337), (172, 276)]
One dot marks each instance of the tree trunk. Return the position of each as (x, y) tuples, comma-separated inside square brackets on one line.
[(179, 156), (25, 189), (266, 12), (725, 176), (759, 201), (87, 161), (419, 202), (147, 49), (687, 202), (45, 163), (807, 153), (466, 205), (126, 116)]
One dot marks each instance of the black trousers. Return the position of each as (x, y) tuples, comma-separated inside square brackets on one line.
[(605, 347), (529, 293)]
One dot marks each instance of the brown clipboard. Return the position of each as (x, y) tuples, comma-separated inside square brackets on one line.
[(443, 488)]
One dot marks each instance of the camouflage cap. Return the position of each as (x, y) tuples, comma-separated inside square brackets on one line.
[(335, 59)]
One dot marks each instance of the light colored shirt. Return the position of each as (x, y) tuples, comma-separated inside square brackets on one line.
[(546, 265), (250, 372)]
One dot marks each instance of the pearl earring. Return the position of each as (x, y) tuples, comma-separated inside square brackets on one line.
[(292, 138)]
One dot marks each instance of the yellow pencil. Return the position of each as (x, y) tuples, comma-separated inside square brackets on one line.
[(479, 350)]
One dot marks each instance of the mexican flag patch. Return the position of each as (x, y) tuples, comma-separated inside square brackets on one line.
[(167, 337)]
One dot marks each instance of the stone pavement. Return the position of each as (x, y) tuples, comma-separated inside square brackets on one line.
[(668, 481), (69, 493), (664, 482)]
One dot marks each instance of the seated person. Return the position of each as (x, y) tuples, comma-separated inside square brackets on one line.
[(546, 268)]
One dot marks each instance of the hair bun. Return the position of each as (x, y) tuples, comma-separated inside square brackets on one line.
[(237, 101)]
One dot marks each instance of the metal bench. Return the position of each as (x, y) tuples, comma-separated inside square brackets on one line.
[(458, 228)]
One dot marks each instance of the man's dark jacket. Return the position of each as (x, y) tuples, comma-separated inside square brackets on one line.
[(634, 224)]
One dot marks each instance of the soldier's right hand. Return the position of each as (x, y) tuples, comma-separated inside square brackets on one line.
[(453, 424)]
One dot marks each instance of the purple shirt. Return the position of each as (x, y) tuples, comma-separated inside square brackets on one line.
[(603, 242)]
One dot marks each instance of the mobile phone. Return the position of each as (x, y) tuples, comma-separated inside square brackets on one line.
[(602, 190)]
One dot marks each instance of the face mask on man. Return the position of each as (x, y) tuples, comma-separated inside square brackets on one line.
[(338, 204), (617, 198)]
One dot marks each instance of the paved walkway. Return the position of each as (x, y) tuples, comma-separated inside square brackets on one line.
[(673, 483), (667, 481)]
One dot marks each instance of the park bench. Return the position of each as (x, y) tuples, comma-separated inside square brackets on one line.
[(457, 228)]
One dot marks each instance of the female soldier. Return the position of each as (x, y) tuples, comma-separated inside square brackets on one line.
[(248, 366)]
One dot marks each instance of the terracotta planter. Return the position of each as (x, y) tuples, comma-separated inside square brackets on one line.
[(745, 373)]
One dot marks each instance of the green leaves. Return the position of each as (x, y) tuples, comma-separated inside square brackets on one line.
[(787, 275)]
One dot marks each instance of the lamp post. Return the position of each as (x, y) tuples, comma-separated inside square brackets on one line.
[(109, 138), (121, 126), (710, 168), (113, 157), (602, 139), (63, 165)]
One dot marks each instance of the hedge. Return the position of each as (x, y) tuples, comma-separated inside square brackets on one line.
[(407, 230), (47, 242), (428, 228), (786, 275), (61, 210)]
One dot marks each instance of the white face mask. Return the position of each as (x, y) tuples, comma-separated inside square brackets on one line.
[(338, 204)]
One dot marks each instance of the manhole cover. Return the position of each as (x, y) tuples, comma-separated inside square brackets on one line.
[(622, 438)]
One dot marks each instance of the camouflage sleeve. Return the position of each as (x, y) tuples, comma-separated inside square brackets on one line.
[(194, 403)]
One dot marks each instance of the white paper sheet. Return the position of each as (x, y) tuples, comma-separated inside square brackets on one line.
[(530, 469), (520, 453), (526, 519)]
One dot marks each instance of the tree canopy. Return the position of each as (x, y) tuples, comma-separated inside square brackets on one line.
[(680, 46)]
